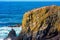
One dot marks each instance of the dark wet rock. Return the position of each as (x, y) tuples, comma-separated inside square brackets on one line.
[(17, 25), (20, 37), (11, 35), (25, 36)]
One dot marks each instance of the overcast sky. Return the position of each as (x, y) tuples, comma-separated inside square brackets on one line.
[(29, 0)]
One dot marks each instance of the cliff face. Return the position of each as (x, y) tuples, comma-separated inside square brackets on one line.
[(41, 18), (41, 23)]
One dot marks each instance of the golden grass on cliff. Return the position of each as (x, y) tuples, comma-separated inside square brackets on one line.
[(34, 18)]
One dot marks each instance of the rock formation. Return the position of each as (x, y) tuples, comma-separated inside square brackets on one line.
[(45, 20), (11, 35)]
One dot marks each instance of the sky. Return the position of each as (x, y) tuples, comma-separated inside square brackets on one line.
[(29, 0)]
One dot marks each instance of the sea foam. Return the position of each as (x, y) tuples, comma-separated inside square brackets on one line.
[(5, 30)]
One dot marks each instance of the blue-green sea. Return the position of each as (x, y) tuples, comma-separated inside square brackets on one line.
[(11, 13)]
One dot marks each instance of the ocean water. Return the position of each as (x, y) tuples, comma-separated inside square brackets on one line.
[(11, 13)]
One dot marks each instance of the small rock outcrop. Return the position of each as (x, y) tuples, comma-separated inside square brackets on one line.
[(11, 35), (44, 23)]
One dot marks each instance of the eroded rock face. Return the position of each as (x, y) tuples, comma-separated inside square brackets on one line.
[(39, 18), (46, 19)]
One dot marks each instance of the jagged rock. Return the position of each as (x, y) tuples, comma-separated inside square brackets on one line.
[(46, 19), (11, 35)]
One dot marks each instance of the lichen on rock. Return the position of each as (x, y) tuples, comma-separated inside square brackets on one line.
[(41, 18), (35, 17)]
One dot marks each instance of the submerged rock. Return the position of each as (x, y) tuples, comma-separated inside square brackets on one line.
[(45, 19), (17, 25)]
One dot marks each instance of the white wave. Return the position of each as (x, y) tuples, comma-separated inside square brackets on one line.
[(5, 30), (1, 39)]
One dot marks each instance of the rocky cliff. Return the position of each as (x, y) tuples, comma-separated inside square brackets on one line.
[(46, 19)]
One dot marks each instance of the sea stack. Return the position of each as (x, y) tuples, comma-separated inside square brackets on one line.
[(46, 19)]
